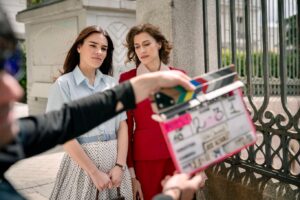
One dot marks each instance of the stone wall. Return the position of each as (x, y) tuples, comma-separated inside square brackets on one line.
[(226, 182)]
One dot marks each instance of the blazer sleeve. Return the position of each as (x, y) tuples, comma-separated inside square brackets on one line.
[(130, 124)]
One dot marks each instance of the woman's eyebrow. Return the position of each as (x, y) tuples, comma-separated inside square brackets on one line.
[(142, 42), (93, 42)]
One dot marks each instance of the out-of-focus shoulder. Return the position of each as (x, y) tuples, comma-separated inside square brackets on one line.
[(127, 75), (63, 79), (110, 79), (174, 68)]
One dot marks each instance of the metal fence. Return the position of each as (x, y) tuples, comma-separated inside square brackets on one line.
[(262, 38), (258, 23)]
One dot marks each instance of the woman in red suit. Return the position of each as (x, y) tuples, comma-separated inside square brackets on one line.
[(148, 157)]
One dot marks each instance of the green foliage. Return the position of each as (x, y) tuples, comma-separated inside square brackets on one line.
[(257, 63), (23, 79), (291, 31), (34, 2)]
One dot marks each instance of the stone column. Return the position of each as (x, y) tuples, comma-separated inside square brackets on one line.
[(181, 21), (52, 27)]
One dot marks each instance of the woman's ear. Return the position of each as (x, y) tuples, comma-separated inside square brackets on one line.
[(78, 48), (159, 45)]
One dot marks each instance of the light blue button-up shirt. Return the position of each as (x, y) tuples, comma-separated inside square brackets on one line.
[(75, 85)]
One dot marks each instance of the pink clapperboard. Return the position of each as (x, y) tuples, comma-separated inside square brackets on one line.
[(207, 125)]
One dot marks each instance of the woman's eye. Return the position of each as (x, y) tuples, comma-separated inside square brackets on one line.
[(104, 49), (147, 44), (92, 45), (136, 47)]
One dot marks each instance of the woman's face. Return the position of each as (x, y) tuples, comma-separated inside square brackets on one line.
[(146, 48), (93, 51)]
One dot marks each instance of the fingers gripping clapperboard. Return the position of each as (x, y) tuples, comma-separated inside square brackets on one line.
[(207, 125)]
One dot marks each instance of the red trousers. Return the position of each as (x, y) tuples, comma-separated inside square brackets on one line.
[(150, 173)]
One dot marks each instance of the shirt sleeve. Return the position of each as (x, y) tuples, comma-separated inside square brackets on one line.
[(40, 133), (56, 97), (122, 116)]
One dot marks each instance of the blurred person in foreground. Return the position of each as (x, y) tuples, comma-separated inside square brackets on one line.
[(32, 135)]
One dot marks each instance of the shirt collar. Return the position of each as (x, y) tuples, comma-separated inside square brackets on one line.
[(142, 69), (79, 76)]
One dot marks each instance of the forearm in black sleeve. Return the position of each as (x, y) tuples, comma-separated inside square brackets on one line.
[(41, 133)]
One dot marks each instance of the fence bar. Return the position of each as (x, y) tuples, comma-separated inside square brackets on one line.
[(282, 53), (248, 48), (205, 37), (265, 47), (298, 41), (219, 39), (251, 157), (233, 31), (265, 67)]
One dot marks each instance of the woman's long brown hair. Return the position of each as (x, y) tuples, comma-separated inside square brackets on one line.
[(72, 59)]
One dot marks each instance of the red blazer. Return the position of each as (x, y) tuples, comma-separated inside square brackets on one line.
[(146, 141)]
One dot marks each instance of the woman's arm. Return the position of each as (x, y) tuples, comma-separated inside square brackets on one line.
[(136, 186), (130, 124), (100, 179), (116, 172), (122, 143)]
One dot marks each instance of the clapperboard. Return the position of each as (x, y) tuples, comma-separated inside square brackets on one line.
[(207, 125)]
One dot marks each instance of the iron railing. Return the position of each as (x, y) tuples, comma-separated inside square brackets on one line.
[(234, 33), (262, 38)]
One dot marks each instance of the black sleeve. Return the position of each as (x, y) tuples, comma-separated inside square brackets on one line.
[(40, 133)]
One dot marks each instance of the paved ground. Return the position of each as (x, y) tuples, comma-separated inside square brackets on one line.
[(34, 177)]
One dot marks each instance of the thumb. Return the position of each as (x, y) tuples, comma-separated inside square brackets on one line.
[(196, 181)]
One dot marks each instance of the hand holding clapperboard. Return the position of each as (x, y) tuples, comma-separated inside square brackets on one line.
[(207, 125)]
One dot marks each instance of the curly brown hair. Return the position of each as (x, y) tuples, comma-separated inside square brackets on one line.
[(154, 31)]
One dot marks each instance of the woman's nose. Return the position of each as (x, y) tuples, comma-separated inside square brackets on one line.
[(100, 51), (143, 49)]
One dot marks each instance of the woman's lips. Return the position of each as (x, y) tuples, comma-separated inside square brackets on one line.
[(143, 57), (98, 59)]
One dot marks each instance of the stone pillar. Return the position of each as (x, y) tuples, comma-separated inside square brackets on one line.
[(51, 28), (182, 23)]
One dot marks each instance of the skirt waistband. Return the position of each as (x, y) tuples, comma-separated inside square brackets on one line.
[(97, 138)]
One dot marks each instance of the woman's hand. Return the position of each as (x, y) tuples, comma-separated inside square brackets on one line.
[(182, 186), (101, 180), (136, 189), (116, 174)]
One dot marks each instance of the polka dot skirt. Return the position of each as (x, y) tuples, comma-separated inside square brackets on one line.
[(72, 182)]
